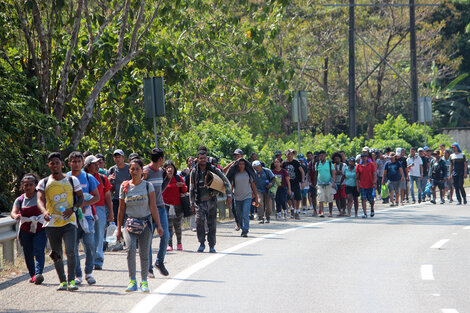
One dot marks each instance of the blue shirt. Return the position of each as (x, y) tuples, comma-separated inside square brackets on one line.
[(262, 179), (88, 185), (393, 170), (349, 176)]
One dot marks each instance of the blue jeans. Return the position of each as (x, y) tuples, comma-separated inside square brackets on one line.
[(243, 212), (88, 240), (163, 239), (100, 226), (417, 181), (33, 248)]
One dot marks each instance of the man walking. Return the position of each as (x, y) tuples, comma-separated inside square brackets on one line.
[(204, 200), (325, 176), (458, 172), (366, 181), (394, 173), (153, 173), (117, 174), (264, 179), (297, 177), (104, 207), (86, 227), (312, 180), (415, 166), (437, 175), (56, 202)]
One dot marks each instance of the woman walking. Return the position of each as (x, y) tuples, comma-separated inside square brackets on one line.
[(137, 201), (283, 190), (349, 179), (32, 236), (171, 197), (242, 180)]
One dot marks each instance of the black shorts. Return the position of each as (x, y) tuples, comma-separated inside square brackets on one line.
[(352, 190), (438, 183), (295, 188), (313, 191)]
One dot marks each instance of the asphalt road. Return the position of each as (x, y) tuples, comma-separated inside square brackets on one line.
[(406, 259)]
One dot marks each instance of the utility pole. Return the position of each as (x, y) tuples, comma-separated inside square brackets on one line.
[(414, 74), (352, 73)]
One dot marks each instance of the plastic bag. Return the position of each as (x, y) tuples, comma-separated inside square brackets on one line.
[(384, 192)]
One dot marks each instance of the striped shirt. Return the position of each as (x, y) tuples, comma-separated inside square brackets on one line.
[(155, 177)]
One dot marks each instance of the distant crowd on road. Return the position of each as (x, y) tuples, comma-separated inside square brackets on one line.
[(79, 206)]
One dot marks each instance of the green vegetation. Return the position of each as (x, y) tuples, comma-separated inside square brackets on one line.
[(71, 77)]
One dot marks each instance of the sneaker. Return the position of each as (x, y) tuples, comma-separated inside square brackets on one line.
[(459, 203), (414, 201), (433, 201), (212, 250), (179, 247), (62, 286), (72, 286), (268, 221), (392, 204), (442, 201), (169, 248), (244, 235), (252, 217), (151, 274), (201, 248), (464, 201), (32, 279), (78, 280), (372, 213), (364, 216), (162, 269), (132, 286), (98, 267), (261, 221), (450, 201), (90, 280), (237, 228), (144, 286), (297, 216)]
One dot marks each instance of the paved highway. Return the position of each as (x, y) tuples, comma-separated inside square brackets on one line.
[(406, 259)]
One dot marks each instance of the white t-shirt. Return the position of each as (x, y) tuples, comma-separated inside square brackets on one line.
[(415, 169)]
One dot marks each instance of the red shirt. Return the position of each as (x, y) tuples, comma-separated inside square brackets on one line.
[(284, 174), (171, 195), (366, 175), (102, 189)]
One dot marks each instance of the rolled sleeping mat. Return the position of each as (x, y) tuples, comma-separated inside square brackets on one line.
[(213, 181)]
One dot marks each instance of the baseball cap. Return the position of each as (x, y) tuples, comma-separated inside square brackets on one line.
[(99, 156), (278, 152), (392, 154), (256, 163), (420, 149), (351, 159), (366, 148), (238, 151), (398, 151), (364, 154), (300, 156), (91, 159), (290, 151), (118, 151), (436, 152), (133, 155), (426, 148)]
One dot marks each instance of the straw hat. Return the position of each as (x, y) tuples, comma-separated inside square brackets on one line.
[(213, 181)]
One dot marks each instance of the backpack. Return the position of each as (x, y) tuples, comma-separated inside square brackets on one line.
[(127, 183), (437, 170)]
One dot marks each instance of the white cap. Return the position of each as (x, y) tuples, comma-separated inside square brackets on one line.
[(398, 151), (366, 148), (256, 163), (91, 159)]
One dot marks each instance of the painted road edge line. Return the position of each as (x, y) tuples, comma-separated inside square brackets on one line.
[(439, 244), (426, 272), (466, 227), (149, 302), (449, 311)]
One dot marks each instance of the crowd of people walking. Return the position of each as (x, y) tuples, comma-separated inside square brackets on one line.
[(75, 207)]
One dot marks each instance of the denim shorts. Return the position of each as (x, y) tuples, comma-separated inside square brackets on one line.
[(366, 194), (394, 185)]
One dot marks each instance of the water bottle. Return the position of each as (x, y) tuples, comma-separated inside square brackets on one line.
[(111, 233), (62, 210)]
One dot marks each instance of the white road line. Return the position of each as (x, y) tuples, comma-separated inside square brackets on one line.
[(426, 272), (150, 301), (439, 244), (466, 227), (449, 311)]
